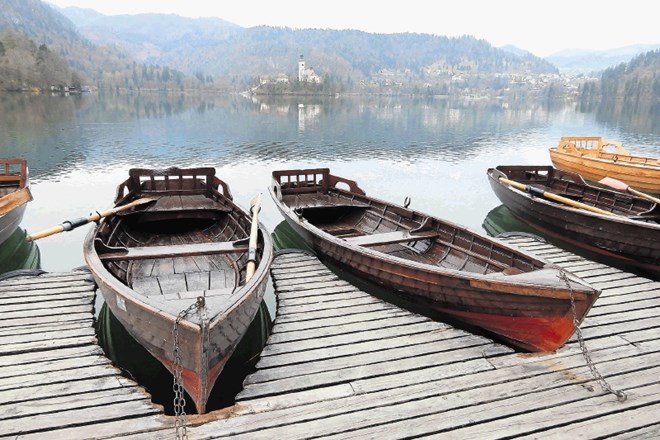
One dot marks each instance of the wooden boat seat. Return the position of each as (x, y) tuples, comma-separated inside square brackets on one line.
[(12, 179), (320, 201), (391, 237), (177, 203), (179, 250)]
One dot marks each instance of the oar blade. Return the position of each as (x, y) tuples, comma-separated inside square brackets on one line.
[(255, 206), (255, 203), (614, 183)]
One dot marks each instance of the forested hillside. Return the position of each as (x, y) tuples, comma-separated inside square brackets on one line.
[(637, 81), (42, 48), (216, 47)]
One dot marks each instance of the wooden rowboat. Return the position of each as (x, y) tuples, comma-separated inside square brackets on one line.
[(174, 272), (14, 195), (466, 275), (594, 158), (561, 204)]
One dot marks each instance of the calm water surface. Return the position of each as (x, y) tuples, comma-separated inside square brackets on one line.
[(434, 151)]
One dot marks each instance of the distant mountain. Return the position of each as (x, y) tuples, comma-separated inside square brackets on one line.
[(44, 25), (57, 53), (154, 50), (516, 50), (223, 49), (40, 23), (590, 61)]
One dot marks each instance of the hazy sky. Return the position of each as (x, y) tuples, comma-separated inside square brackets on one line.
[(542, 28)]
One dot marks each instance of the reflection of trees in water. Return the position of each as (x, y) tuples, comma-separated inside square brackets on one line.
[(633, 117), (95, 130)]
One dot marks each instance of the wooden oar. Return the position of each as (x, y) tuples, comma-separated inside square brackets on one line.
[(255, 206), (622, 186), (13, 200), (72, 224), (548, 195)]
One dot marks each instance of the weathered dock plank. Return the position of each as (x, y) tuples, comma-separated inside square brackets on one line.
[(380, 387), (341, 363), (55, 381)]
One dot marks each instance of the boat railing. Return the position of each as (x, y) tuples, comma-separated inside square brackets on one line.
[(310, 180), (173, 181), (301, 181), (591, 145), (13, 171)]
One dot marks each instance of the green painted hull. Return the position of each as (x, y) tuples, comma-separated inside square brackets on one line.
[(16, 253)]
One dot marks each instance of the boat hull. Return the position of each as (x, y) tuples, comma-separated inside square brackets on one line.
[(14, 195), (10, 222), (153, 329), (529, 311), (631, 243), (593, 162), (187, 304)]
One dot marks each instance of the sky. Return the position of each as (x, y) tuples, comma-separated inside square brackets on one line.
[(543, 28)]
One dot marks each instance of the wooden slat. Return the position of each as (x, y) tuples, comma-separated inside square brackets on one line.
[(391, 237), (342, 364), (176, 250)]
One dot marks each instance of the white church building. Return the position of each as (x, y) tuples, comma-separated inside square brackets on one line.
[(307, 74)]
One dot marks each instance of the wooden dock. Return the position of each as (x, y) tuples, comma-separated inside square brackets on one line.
[(343, 364)]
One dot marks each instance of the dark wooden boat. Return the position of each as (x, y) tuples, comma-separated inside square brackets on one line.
[(176, 272), (464, 274), (619, 225), (14, 195), (594, 158)]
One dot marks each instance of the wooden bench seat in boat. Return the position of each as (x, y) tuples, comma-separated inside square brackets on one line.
[(391, 237), (177, 203), (321, 201), (179, 250)]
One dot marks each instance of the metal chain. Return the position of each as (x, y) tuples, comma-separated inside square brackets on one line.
[(620, 395), (180, 422)]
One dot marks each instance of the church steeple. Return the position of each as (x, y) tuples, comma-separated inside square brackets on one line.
[(301, 68)]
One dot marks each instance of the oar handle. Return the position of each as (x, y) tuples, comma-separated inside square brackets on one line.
[(555, 197), (45, 233), (644, 195), (68, 225)]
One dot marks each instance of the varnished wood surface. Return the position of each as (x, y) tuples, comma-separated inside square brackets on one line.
[(341, 363)]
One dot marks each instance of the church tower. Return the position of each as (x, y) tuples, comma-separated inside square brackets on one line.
[(301, 68)]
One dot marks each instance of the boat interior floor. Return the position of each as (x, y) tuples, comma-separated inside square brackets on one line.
[(6, 189), (186, 275)]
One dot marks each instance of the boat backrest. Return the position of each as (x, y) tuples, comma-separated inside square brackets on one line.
[(309, 181), (13, 171), (172, 180), (301, 181), (591, 145)]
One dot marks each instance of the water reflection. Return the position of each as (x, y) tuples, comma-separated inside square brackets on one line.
[(500, 220), (434, 150), (17, 254), (54, 133)]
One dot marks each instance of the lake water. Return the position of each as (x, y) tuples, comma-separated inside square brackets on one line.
[(434, 151)]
